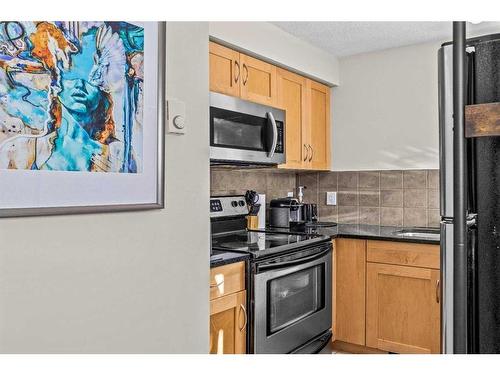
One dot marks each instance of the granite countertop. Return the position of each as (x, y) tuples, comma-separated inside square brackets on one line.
[(366, 232), (221, 258), (371, 232)]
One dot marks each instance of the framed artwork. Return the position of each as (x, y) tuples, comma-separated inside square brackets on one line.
[(81, 117)]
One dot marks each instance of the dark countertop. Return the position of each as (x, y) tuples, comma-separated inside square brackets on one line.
[(371, 232), (360, 231), (221, 258)]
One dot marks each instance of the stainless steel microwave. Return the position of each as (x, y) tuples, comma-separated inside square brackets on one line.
[(245, 133)]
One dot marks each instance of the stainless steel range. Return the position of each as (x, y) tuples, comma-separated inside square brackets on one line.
[(289, 281)]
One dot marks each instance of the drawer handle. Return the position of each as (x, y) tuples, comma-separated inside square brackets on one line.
[(437, 291), (242, 308)]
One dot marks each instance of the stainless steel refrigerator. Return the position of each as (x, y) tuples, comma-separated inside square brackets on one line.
[(482, 200)]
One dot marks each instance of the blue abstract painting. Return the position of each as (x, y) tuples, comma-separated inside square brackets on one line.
[(71, 96)]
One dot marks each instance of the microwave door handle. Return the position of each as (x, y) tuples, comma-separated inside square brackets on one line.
[(275, 134)]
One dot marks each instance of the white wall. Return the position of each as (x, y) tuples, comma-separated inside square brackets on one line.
[(385, 111), (269, 41), (123, 282)]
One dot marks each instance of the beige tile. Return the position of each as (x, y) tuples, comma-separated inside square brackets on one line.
[(369, 180), (391, 180), (414, 217), (347, 180), (416, 179), (347, 198), (433, 218), (348, 215), (391, 216), (328, 213), (415, 198), (391, 198), (433, 178), (369, 198), (369, 215), (432, 198), (328, 181)]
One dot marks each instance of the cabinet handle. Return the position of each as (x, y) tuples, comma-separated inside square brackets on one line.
[(437, 291), (245, 78), (312, 153), (242, 308), (306, 153), (216, 285), (237, 75)]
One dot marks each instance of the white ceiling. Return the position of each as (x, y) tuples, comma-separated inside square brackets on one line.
[(350, 38)]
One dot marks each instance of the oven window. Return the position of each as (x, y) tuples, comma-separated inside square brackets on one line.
[(294, 297)]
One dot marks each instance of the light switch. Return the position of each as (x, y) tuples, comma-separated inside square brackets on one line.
[(176, 115), (331, 198)]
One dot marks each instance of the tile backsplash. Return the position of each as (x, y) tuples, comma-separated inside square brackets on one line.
[(396, 198)]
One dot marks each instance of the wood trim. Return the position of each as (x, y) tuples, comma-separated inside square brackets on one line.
[(229, 278), (482, 120), (347, 347), (396, 347), (404, 254)]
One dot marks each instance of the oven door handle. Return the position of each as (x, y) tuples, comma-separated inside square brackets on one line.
[(274, 128), (274, 266)]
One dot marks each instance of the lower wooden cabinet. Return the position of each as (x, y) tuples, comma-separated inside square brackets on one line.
[(387, 296), (402, 309), (349, 290), (228, 324)]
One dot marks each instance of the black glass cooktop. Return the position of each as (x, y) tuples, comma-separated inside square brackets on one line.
[(259, 243)]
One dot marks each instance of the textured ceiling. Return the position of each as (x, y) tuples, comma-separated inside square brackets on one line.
[(350, 38)]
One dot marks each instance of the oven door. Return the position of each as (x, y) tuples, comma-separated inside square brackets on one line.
[(245, 132), (292, 302)]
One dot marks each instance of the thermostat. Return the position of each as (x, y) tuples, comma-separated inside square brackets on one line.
[(176, 115)]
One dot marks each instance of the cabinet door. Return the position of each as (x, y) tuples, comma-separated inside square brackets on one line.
[(292, 98), (349, 291), (258, 81), (319, 125), (402, 309), (228, 324), (225, 72)]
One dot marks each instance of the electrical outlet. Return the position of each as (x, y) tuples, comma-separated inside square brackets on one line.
[(331, 198), (290, 194)]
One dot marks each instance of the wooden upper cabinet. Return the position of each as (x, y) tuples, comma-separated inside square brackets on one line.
[(306, 102), (319, 125), (349, 291), (228, 324), (258, 81), (292, 98), (225, 70), (402, 308)]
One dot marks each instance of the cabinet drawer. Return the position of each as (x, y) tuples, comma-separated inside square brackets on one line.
[(227, 279), (403, 253)]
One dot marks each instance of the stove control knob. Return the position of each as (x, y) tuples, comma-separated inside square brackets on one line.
[(234, 204), (241, 203)]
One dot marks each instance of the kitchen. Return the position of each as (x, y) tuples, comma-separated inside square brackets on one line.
[(296, 201), (380, 283)]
